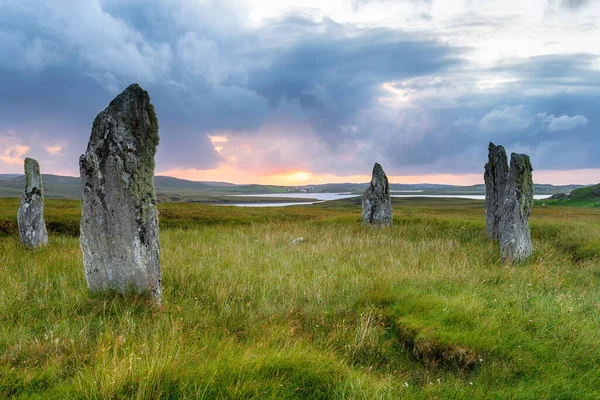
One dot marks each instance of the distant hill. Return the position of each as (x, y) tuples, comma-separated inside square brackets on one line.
[(182, 190), (7, 176), (583, 197)]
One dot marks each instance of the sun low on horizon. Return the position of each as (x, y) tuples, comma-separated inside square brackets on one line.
[(299, 93)]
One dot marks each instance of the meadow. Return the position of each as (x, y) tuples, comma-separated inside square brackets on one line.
[(424, 309)]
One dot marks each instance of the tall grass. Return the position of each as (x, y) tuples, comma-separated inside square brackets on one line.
[(424, 309)]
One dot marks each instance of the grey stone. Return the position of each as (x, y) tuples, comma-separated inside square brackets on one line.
[(30, 217), (495, 176), (515, 237), (376, 202), (119, 220), (297, 241)]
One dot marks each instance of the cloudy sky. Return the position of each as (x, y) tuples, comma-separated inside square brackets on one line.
[(310, 91)]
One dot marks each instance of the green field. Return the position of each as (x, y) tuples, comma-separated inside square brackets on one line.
[(424, 309), (583, 197)]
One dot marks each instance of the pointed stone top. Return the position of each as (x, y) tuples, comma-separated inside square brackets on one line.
[(131, 101), (33, 178), (492, 149), (379, 179)]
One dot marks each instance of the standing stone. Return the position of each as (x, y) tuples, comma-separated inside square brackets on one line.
[(30, 217), (119, 221), (376, 203), (495, 176), (515, 237)]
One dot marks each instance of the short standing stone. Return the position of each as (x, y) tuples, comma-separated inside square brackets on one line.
[(376, 202), (515, 237), (30, 217), (495, 176), (119, 221)]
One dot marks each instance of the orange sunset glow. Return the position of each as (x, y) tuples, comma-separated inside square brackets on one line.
[(303, 178)]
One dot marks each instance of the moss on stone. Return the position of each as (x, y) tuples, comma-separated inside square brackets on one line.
[(524, 181), (32, 168)]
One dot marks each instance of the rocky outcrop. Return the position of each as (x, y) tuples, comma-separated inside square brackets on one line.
[(515, 237), (30, 217), (376, 202), (495, 176), (119, 221)]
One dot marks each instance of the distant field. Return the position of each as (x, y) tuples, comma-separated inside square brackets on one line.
[(582, 197), (171, 189), (422, 310)]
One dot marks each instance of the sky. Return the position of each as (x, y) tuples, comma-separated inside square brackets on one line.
[(297, 92)]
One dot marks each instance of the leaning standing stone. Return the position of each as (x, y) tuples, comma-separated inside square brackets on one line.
[(119, 221), (30, 217), (515, 237), (495, 176), (376, 203)]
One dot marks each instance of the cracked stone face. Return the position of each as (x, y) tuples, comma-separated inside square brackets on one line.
[(495, 176), (119, 221), (515, 236), (30, 217), (376, 202)]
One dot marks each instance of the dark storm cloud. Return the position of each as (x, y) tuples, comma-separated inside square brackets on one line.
[(202, 78), (333, 76), (61, 63), (559, 131), (574, 4)]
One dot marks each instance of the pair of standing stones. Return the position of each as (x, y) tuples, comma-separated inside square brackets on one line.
[(508, 202)]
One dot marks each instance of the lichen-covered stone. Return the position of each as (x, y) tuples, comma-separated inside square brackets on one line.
[(515, 237), (376, 202), (495, 176), (119, 221), (30, 217)]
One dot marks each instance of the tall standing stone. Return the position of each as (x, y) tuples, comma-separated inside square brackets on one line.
[(515, 237), (495, 176), (119, 221), (376, 202), (30, 217)]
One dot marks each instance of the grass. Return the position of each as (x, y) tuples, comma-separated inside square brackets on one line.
[(583, 197), (424, 309)]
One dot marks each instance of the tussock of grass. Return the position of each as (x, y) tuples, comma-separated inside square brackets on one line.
[(424, 309)]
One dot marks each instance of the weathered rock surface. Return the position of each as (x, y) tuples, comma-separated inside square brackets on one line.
[(30, 217), (376, 202), (515, 237), (119, 221), (495, 176)]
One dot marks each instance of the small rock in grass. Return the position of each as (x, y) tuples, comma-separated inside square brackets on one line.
[(297, 241)]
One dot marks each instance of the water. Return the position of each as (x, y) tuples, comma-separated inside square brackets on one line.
[(270, 204), (316, 196), (463, 196), (322, 197)]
